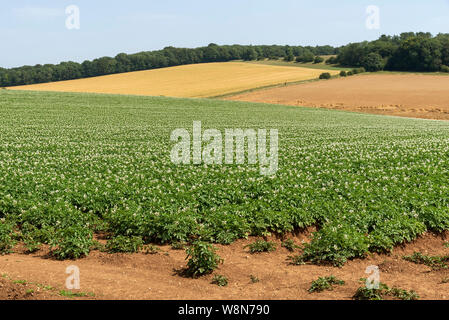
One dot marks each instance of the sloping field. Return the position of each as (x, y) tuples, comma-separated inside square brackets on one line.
[(195, 81), (408, 95), (78, 167)]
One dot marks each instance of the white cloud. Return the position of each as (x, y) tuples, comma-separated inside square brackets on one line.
[(37, 13)]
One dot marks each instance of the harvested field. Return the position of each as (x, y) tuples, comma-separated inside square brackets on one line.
[(192, 81), (407, 95)]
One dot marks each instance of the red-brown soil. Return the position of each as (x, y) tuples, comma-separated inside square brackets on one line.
[(409, 95), (154, 276)]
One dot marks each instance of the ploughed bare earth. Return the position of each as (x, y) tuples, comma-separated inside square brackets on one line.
[(409, 95), (154, 276)]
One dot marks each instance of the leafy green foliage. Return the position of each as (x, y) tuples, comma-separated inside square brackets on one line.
[(358, 70), (31, 245), (202, 259), (261, 246), (306, 56), (71, 294), (318, 59), (335, 243), (373, 62), (124, 244), (407, 52), (290, 245), (325, 75), (71, 243), (402, 294), (97, 162), (220, 280), (435, 262), (325, 283), (343, 73), (331, 60), (6, 238), (364, 293)]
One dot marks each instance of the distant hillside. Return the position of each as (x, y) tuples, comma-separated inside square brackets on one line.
[(195, 80), (407, 52), (167, 57)]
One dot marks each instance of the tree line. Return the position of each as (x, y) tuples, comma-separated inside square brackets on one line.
[(147, 60), (407, 52)]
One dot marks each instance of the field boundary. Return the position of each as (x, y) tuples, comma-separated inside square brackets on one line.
[(279, 85)]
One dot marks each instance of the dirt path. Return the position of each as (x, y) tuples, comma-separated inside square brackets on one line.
[(152, 276), (408, 95)]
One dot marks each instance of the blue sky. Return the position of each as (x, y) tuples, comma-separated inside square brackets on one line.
[(34, 32)]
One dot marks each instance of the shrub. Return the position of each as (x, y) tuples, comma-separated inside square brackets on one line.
[(444, 68), (261, 246), (72, 243), (349, 73), (342, 73), (202, 259), (331, 60), (318, 59), (358, 70), (325, 75), (124, 244)]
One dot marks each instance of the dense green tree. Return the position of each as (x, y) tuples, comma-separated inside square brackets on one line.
[(318, 59), (372, 62), (250, 54), (418, 53), (307, 56)]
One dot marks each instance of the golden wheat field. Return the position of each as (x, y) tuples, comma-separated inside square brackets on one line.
[(192, 81)]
